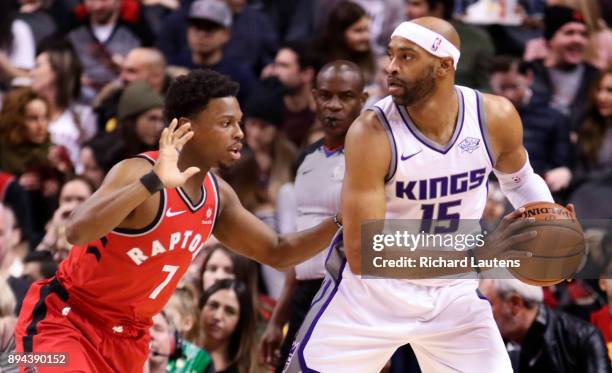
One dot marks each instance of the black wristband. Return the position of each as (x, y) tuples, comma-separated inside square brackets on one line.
[(152, 182), (472, 255)]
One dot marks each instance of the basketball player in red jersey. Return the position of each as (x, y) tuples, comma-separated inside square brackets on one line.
[(136, 236)]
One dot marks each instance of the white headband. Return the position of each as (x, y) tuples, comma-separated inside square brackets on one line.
[(431, 41)]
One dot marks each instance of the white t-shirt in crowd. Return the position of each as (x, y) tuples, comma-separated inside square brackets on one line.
[(102, 32), (23, 51), (65, 131)]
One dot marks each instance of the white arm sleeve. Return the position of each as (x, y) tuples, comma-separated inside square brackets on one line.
[(523, 186)]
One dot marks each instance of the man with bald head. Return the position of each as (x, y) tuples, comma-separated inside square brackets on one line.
[(146, 64), (339, 97), (422, 153)]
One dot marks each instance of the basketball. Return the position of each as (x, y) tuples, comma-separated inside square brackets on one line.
[(557, 249)]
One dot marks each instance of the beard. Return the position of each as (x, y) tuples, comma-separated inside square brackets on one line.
[(416, 90)]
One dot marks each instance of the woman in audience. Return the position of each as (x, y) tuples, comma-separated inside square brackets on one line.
[(347, 37), (73, 193), (98, 156), (141, 119), (228, 323), (221, 263), (57, 78), (595, 136), (24, 122), (26, 152)]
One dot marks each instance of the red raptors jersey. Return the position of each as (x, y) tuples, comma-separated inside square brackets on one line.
[(127, 276)]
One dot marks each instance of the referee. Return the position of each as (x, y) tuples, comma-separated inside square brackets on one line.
[(339, 96)]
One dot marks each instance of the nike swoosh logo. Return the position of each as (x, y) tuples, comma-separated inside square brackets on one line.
[(405, 158), (307, 171), (171, 213)]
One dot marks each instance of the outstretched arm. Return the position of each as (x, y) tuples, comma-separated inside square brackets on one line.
[(244, 233), (122, 192)]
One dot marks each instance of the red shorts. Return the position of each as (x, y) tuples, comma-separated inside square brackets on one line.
[(48, 324)]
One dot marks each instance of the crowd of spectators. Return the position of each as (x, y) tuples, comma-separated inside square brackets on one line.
[(82, 86)]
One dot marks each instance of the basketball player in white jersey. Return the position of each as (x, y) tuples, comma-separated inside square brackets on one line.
[(424, 152)]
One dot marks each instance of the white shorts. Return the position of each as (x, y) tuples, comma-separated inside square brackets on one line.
[(355, 325)]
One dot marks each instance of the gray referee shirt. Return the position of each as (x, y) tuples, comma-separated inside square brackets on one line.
[(318, 184)]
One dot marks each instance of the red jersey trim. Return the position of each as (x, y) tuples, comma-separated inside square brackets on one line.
[(129, 232)]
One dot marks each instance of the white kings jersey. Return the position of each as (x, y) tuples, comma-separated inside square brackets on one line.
[(427, 180)]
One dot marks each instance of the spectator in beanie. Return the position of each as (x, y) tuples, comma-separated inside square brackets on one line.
[(562, 79), (141, 119), (146, 64)]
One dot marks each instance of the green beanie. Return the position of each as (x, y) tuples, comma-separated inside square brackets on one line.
[(137, 98)]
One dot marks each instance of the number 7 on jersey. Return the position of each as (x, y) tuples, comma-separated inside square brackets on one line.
[(171, 271)]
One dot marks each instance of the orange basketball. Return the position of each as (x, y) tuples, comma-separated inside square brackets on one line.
[(558, 249)]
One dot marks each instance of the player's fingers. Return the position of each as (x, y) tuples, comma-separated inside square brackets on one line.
[(520, 237), (518, 225), (173, 125), (181, 131), (570, 207), (163, 138), (511, 217), (178, 143)]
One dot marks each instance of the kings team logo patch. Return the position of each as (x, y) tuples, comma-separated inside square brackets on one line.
[(469, 144)]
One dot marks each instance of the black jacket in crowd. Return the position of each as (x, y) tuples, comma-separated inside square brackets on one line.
[(543, 91), (560, 343), (546, 135)]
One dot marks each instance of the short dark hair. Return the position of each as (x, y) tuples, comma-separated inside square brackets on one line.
[(306, 54), (189, 94), (504, 64), (48, 266)]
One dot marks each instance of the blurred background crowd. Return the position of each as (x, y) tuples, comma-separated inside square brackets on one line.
[(82, 86)]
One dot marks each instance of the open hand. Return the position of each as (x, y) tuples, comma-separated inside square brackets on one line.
[(171, 143), (511, 231)]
